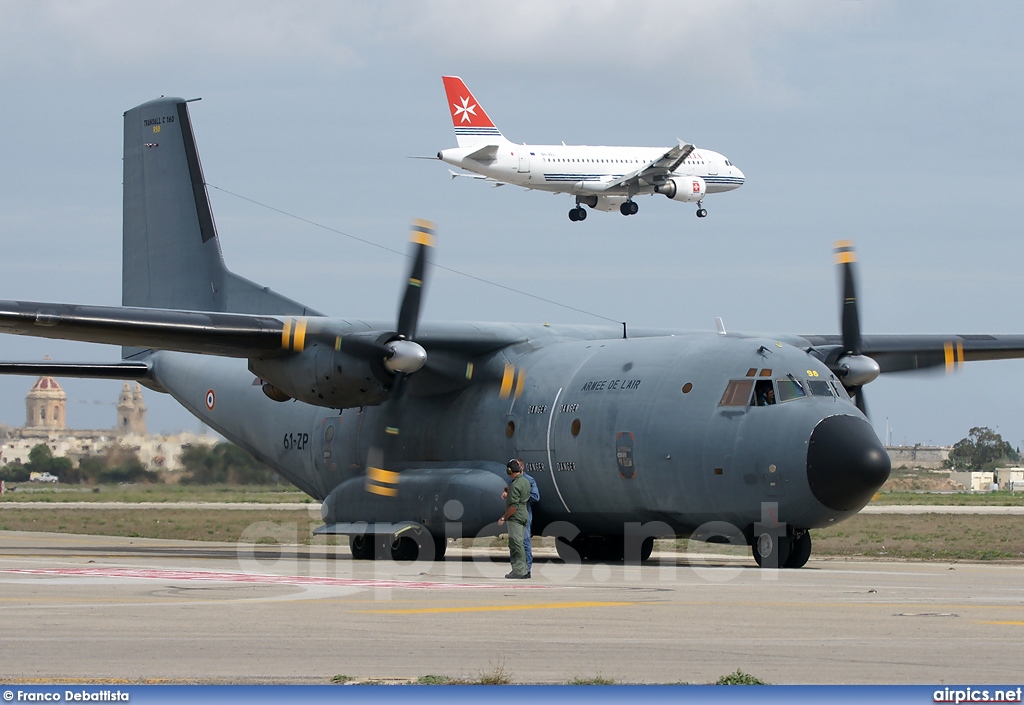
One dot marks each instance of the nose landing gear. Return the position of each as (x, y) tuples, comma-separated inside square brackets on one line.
[(701, 211)]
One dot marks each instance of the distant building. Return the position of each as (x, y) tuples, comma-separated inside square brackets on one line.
[(974, 481), (918, 456), (46, 422), (1010, 478)]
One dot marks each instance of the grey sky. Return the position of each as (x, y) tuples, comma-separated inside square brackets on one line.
[(894, 124)]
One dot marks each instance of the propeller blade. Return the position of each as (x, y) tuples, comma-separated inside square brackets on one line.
[(845, 258), (409, 312), (861, 402)]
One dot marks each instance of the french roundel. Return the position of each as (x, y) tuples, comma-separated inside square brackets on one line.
[(211, 399)]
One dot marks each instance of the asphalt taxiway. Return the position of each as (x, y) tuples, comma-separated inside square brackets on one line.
[(99, 608)]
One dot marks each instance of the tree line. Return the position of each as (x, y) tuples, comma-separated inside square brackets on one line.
[(224, 463), (983, 449)]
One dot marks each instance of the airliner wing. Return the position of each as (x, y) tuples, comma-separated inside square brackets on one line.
[(663, 165)]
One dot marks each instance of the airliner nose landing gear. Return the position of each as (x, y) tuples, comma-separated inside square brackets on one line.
[(629, 208), (577, 213), (701, 211)]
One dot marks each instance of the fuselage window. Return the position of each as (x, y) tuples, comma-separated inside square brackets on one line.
[(789, 389), (819, 388), (737, 393), (764, 393)]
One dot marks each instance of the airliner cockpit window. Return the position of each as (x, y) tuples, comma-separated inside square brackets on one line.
[(819, 388), (789, 389)]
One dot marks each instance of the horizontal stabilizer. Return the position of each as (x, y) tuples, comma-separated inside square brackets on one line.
[(484, 154)]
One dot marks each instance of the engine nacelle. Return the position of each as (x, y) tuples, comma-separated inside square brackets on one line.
[(322, 376), (683, 188)]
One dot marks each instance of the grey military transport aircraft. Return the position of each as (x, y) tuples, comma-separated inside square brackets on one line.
[(401, 429)]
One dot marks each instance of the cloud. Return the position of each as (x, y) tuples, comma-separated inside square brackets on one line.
[(681, 43)]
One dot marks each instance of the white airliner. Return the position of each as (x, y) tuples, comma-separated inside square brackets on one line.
[(604, 178)]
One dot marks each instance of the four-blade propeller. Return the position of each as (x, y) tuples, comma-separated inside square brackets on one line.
[(852, 368), (401, 356)]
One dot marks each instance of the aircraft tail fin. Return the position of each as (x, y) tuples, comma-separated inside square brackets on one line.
[(471, 123), (171, 255)]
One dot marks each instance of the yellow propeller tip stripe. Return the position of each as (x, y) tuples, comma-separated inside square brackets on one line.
[(422, 233)]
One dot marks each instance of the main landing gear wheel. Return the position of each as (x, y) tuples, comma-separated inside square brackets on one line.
[(799, 551), (361, 546), (577, 213), (629, 208), (770, 551)]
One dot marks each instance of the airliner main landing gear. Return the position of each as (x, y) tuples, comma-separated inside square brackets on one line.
[(701, 211), (577, 213), (629, 208)]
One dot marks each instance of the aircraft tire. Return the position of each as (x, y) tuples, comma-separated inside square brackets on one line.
[(574, 214), (440, 546), (799, 551), (770, 551), (702, 213), (581, 213), (626, 208), (634, 207), (361, 546), (404, 548), (646, 549)]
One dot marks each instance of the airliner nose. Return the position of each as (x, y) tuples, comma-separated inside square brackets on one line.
[(846, 463), (739, 175)]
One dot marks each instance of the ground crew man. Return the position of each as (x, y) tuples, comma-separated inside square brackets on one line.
[(516, 498)]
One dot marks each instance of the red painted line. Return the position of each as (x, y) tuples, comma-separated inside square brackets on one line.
[(220, 577)]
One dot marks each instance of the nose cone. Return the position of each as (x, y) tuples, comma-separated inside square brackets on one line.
[(846, 463)]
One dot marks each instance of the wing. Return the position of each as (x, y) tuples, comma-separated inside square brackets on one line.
[(901, 353), (227, 334), (660, 167), (451, 346)]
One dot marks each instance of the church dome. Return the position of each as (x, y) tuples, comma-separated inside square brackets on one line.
[(46, 405), (47, 387)]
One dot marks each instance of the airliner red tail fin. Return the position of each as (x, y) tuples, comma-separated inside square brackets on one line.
[(472, 125)]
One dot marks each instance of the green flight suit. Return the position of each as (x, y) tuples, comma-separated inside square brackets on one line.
[(518, 495)]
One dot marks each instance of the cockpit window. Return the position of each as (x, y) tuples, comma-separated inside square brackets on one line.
[(737, 393), (840, 390), (764, 393), (789, 389), (819, 388)]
